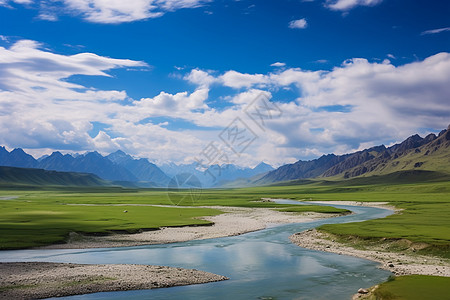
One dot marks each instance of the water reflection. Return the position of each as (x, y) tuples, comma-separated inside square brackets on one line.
[(261, 265)]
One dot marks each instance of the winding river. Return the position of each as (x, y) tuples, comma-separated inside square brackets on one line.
[(261, 265)]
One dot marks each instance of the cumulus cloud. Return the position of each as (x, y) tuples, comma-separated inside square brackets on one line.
[(346, 5), (41, 108), (200, 78), (299, 24), (357, 104), (39, 104), (169, 105), (240, 80), (435, 31)]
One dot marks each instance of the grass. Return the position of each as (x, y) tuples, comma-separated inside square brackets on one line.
[(423, 219), (29, 224), (89, 280), (414, 287), (46, 215), (16, 286)]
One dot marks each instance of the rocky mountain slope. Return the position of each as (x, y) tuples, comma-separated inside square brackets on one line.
[(431, 153)]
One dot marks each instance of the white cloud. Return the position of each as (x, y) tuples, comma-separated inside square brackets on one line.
[(239, 80), (200, 78), (108, 11), (171, 5), (278, 64), (299, 24), (357, 104), (39, 103), (435, 31), (346, 5), (169, 105), (6, 2), (48, 16)]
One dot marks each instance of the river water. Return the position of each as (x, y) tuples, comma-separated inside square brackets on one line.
[(261, 265)]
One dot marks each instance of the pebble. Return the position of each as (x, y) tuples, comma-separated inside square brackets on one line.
[(363, 291)]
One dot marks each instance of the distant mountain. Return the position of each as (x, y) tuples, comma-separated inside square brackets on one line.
[(16, 158), (22, 176), (262, 167), (353, 160), (92, 162), (142, 169), (431, 153), (172, 169), (215, 175), (302, 169), (57, 161)]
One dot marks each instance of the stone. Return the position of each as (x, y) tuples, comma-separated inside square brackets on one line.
[(363, 291)]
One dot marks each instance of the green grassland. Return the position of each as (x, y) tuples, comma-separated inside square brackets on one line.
[(27, 224), (44, 215), (414, 287), (37, 216)]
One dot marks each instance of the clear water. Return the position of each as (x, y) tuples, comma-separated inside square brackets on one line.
[(260, 265)]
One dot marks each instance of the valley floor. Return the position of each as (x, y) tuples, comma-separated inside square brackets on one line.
[(235, 221), (32, 280)]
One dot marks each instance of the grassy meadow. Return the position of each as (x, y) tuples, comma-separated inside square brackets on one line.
[(414, 287), (45, 215), (36, 216), (31, 217)]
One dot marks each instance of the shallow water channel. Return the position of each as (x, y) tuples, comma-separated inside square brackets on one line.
[(260, 265)]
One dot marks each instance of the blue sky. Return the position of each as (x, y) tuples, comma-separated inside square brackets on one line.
[(162, 78)]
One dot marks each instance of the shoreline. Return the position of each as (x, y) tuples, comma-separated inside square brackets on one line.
[(384, 205), (398, 263), (234, 221), (37, 280)]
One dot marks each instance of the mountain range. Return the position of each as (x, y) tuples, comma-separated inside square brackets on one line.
[(122, 169), (431, 153), (215, 175)]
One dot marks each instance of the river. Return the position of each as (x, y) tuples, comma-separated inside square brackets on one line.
[(261, 265)]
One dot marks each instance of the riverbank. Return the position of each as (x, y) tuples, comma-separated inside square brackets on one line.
[(397, 263), (384, 205), (37, 280), (405, 263), (234, 221)]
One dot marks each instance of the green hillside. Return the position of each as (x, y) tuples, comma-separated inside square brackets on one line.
[(433, 156), (415, 158), (10, 176)]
